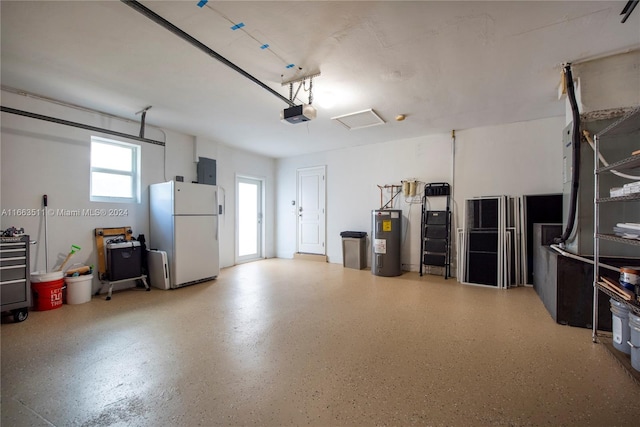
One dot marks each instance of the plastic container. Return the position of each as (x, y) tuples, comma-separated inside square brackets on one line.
[(634, 340), (629, 277), (124, 260), (79, 289), (620, 326), (47, 290), (354, 249)]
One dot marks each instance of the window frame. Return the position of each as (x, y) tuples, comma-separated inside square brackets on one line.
[(134, 173)]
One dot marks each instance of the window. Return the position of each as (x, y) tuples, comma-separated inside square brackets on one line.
[(115, 171)]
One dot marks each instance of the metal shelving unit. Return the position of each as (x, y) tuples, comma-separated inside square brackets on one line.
[(630, 304), (627, 125)]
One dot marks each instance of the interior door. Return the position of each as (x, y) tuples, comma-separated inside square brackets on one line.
[(249, 219), (311, 210)]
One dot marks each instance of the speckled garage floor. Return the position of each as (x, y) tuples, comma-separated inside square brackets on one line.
[(289, 342)]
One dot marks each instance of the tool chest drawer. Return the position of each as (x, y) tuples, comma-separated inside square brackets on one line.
[(12, 273)]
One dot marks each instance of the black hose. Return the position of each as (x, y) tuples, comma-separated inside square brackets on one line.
[(575, 140)]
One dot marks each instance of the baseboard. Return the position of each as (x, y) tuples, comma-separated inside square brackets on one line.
[(310, 257)]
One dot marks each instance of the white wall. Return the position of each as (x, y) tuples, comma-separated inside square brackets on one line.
[(515, 159), (608, 83), (234, 163), (45, 158)]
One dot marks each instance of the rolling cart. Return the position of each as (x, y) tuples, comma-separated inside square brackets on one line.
[(123, 257)]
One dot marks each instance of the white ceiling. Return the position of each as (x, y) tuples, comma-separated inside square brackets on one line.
[(445, 65)]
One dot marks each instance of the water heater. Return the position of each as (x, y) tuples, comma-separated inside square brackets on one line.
[(386, 226)]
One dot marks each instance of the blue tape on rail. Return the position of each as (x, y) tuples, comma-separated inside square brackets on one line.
[(201, 3), (264, 46), (238, 26), (290, 65)]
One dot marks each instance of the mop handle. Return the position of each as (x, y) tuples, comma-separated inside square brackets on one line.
[(46, 249), (74, 249)]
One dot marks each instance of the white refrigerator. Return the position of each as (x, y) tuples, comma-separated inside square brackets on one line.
[(184, 223)]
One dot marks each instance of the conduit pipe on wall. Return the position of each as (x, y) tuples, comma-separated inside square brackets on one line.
[(78, 107), (198, 44), (453, 172), (579, 258), (453, 189), (78, 125)]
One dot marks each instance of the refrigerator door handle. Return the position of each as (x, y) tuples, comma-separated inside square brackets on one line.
[(217, 213)]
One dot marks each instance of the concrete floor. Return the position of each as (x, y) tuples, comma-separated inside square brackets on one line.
[(288, 342)]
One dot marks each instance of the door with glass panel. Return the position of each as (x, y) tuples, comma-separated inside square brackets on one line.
[(249, 228)]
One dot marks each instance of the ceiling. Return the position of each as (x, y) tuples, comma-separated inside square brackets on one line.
[(445, 65)]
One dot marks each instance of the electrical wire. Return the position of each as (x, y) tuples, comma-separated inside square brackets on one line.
[(406, 229), (261, 43), (164, 155), (137, 6)]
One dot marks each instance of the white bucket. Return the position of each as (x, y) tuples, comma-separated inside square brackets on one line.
[(42, 276), (634, 340), (620, 326), (79, 289)]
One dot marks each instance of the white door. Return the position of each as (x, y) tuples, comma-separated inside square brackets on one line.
[(249, 219), (311, 210)]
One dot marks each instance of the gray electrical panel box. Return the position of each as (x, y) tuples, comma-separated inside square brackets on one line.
[(386, 232), (206, 171)]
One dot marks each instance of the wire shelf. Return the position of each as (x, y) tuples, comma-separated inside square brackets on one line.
[(633, 306), (614, 238)]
